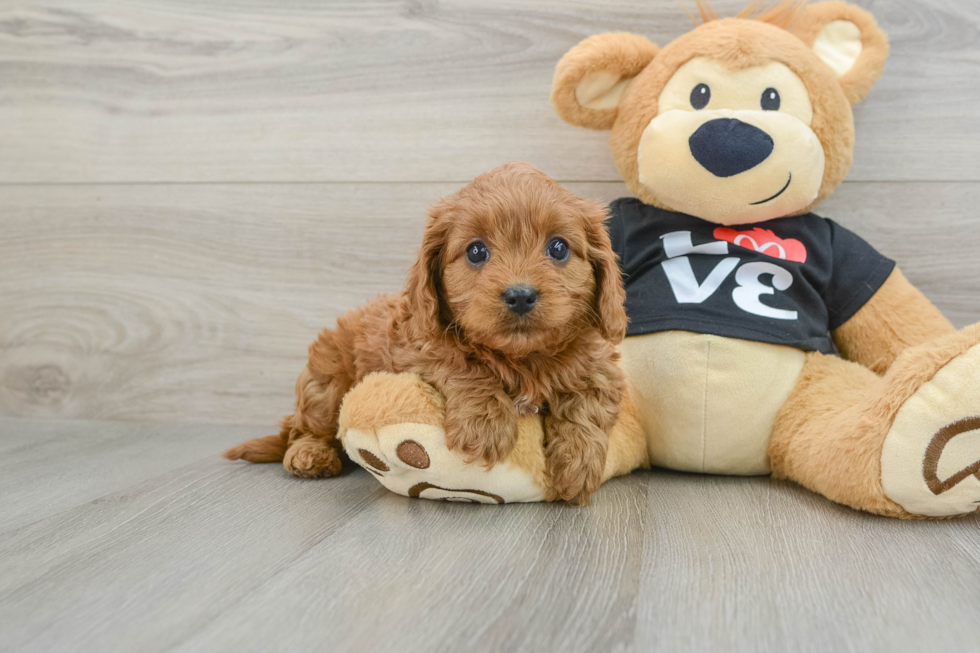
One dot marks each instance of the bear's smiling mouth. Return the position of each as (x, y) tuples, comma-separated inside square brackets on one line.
[(769, 199)]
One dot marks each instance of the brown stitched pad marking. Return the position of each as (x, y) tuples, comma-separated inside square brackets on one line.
[(419, 488), (373, 460), (412, 453), (930, 464)]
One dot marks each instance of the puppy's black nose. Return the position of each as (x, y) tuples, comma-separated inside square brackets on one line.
[(726, 147), (521, 299)]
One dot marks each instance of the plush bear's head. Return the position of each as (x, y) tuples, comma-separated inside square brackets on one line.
[(741, 120)]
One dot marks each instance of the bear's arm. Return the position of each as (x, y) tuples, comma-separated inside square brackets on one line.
[(896, 317)]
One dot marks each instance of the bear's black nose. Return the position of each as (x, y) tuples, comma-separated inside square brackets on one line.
[(520, 299), (726, 147)]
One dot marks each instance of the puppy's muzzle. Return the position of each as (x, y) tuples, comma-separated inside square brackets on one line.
[(521, 299)]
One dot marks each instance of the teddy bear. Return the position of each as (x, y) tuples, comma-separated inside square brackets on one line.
[(763, 338)]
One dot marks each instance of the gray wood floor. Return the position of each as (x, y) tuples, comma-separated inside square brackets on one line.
[(138, 537), (190, 190)]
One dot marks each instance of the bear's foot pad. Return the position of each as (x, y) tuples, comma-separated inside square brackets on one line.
[(930, 462), (411, 458)]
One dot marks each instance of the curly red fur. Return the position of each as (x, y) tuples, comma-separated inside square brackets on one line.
[(451, 326)]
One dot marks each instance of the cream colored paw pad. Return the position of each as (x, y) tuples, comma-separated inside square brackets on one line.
[(930, 462), (413, 460)]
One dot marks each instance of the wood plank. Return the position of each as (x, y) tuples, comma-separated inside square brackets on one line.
[(526, 578), (116, 297), (159, 559), (302, 90), (227, 556), (791, 571), (196, 303), (929, 229), (91, 459)]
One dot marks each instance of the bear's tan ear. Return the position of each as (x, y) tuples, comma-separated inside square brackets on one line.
[(848, 40), (591, 77)]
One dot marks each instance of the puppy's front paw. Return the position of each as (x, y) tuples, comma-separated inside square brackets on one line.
[(575, 463), (311, 459), (488, 434)]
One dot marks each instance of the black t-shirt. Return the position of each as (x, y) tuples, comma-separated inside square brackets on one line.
[(789, 281)]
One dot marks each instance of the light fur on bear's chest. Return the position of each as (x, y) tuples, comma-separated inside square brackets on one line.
[(708, 403)]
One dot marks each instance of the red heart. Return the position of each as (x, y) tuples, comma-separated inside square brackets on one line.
[(765, 242)]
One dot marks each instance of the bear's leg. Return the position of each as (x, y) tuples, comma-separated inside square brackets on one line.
[(392, 426), (906, 444)]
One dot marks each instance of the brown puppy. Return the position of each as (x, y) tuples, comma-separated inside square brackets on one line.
[(514, 306)]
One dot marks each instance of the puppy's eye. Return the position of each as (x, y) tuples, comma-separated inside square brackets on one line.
[(477, 253), (770, 100), (700, 96), (558, 250)]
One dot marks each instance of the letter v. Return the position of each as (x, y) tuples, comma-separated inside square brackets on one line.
[(685, 284)]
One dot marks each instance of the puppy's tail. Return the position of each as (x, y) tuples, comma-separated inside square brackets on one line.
[(270, 449)]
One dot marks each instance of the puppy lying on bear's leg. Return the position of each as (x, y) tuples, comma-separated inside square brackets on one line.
[(514, 307), (392, 426)]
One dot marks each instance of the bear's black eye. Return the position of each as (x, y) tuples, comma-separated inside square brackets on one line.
[(558, 249), (770, 100), (477, 253), (700, 96)]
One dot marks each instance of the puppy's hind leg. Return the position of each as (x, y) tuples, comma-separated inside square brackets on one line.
[(306, 444), (307, 441), (310, 433)]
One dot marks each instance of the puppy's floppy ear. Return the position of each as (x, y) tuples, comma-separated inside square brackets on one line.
[(848, 40), (609, 296), (590, 79), (424, 286)]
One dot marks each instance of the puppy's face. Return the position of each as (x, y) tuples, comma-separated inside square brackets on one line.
[(524, 265), (517, 278)]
